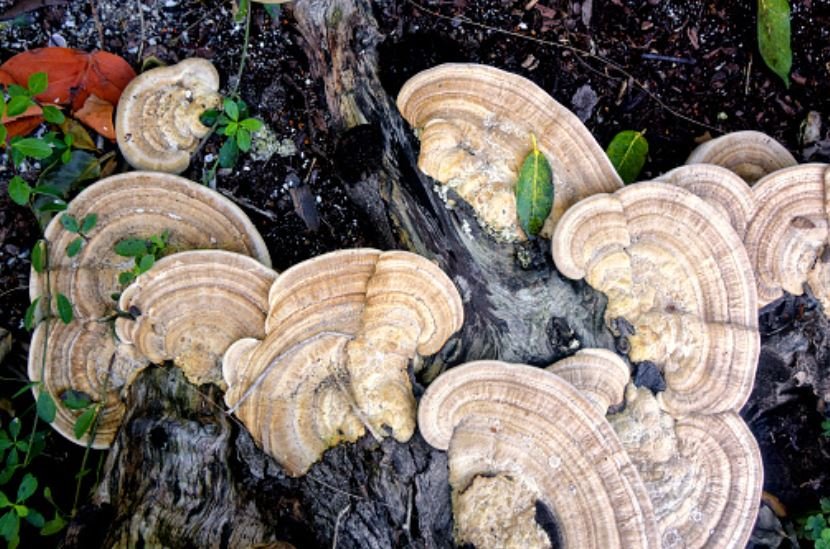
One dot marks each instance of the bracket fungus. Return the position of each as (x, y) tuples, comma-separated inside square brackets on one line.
[(703, 472), (677, 272), (341, 331), (517, 435), (599, 374), (157, 123), (131, 205), (750, 154), (787, 239), (192, 305), (475, 124)]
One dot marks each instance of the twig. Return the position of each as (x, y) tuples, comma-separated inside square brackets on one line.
[(93, 7), (340, 516), (611, 64), (140, 6), (250, 205), (748, 72), (668, 59)]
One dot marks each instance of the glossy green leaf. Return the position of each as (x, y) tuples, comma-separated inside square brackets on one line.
[(27, 487), (30, 318), (48, 190), (231, 109), (251, 124), (627, 152), (75, 400), (131, 247), (35, 519), (9, 525), (16, 90), (89, 223), (125, 278), (39, 256), (209, 117), (70, 223), (46, 408), (228, 153), (84, 422), (231, 129), (33, 147), (19, 191), (145, 263), (53, 526), (14, 428), (534, 191), (774, 37), (38, 82), (74, 247), (53, 115), (64, 309), (18, 105), (4, 500), (243, 140)]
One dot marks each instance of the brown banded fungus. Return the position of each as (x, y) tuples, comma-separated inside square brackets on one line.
[(157, 123), (750, 154), (703, 473), (131, 205), (600, 375), (787, 239), (517, 435), (192, 305), (341, 331), (676, 271), (720, 188), (475, 124)]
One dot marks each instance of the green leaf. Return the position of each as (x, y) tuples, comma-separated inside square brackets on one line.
[(48, 190), (273, 10), (145, 263), (243, 138), (774, 37), (534, 191), (251, 124), (82, 166), (231, 129), (228, 153), (46, 408), (39, 256), (231, 109), (17, 91), (13, 458), (627, 152), (21, 510), (74, 247), (19, 191), (4, 500), (3, 131), (27, 487), (35, 519), (244, 6), (29, 316), (209, 117), (18, 105), (34, 147), (7, 473), (84, 422), (89, 223), (53, 115), (14, 428), (70, 223), (131, 247), (64, 309), (52, 205), (38, 82), (825, 502), (75, 400), (125, 278), (53, 526), (814, 525), (9, 525)]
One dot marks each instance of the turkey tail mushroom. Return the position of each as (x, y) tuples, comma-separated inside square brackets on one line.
[(750, 154)]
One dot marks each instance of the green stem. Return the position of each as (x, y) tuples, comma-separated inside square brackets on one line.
[(48, 299), (244, 55)]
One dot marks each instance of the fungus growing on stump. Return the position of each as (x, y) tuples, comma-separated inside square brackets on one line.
[(341, 331), (599, 374), (192, 305), (517, 435), (750, 154), (157, 123), (676, 271), (475, 124), (134, 205)]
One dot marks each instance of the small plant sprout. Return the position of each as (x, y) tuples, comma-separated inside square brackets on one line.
[(145, 252)]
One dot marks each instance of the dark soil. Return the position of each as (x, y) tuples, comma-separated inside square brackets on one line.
[(698, 58)]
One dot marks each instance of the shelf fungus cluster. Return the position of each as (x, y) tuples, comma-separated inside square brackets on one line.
[(518, 436), (84, 355), (341, 331), (749, 154), (157, 123), (475, 124)]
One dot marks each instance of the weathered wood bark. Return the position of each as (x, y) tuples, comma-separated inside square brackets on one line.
[(182, 474)]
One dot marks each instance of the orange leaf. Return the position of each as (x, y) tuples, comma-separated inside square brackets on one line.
[(23, 123), (97, 114), (73, 74), (6, 78)]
